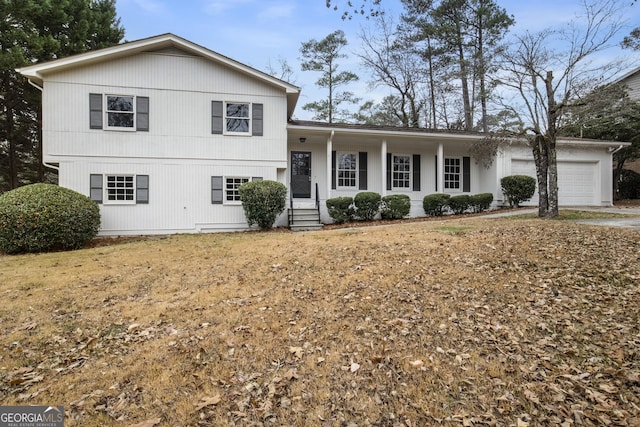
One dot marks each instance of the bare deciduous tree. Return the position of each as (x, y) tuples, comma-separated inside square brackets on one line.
[(396, 66), (548, 71)]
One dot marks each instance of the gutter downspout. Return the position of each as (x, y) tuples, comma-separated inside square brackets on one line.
[(47, 165), (615, 150)]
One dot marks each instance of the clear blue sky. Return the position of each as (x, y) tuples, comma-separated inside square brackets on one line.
[(258, 32)]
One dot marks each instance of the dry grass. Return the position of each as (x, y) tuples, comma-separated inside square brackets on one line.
[(454, 322)]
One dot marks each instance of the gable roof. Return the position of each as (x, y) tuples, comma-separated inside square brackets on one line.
[(37, 72)]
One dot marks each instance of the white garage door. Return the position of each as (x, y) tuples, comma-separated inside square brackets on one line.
[(577, 181)]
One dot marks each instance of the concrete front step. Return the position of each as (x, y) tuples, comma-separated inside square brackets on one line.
[(304, 219)]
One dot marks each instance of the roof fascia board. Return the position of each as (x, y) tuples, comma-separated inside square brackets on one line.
[(446, 136)]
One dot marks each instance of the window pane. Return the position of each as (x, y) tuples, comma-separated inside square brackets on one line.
[(401, 172), (231, 188), (238, 110), (237, 125), (124, 120), (452, 173), (120, 103), (120, 188)]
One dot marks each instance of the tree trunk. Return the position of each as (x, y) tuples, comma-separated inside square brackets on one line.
[(541, 159), (13, 150), (550, 143), (552, 211), (483, 90), (616, 177), (432, 87), (468, 120)]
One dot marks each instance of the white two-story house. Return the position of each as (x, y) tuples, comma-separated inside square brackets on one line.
[(161, 132)]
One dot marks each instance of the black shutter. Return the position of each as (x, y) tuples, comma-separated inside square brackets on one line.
[(362, 170), (216, 118), (142, 113), (466, 174), (95, 111), (389, 167), (216, 190), (257, 125), (436, 168), (142, 189), (333, 170), (95, 188), (416, 172)]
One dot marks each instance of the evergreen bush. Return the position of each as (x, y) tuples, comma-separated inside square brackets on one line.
[(46, 217), (481, 202), (459, 204), (262, 202), (395, 206), (435, 204), (518, 189), (367, 205), (341, 209)]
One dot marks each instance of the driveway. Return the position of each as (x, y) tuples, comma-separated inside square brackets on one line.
[(631, 221)]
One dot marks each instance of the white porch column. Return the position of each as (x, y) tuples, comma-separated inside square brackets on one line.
[(329, 150), (383, 162), (440, 168)]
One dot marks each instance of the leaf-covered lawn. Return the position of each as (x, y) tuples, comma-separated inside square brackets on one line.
[(454, 322)]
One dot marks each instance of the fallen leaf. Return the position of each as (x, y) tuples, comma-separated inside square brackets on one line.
[(354, 367), (208, 401), (417, 364), (297, 352), (148, 423)]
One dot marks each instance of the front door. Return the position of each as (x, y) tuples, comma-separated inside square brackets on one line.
[(301, 174)]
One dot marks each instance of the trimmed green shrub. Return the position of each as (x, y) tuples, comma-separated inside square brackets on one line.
[(459, 203), (518, 189), (395, 206), (262, 202), (367, 205), (481, 202), (435, 204), (46, 217), (341, 209), (629, 185)]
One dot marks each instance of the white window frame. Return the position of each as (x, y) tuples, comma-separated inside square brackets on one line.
[(232, 190), (107, 112), (130, 179), (409, 173), (248, 132), (353, 170), (449, 183)]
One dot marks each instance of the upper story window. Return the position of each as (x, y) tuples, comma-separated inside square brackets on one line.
[(452, 173), (237, 117), (118, 112), (347, 170), (401, 172)]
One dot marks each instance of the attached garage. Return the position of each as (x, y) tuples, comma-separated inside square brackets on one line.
[(578, 183)]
